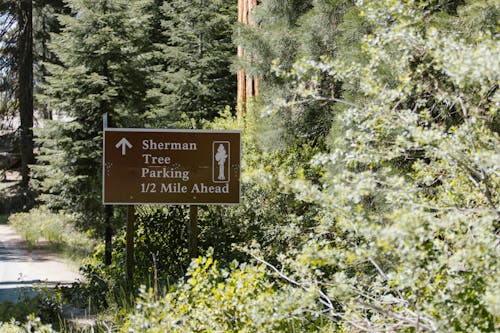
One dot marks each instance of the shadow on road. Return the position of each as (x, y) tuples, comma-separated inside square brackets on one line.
[(17, 294)]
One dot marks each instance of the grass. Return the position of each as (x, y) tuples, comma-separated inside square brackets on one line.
[(41, 228)]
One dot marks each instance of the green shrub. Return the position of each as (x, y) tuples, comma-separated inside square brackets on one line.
[(160, 255), (55, 228), (242, 298), (406, 235), (46, 305), (33, 325)]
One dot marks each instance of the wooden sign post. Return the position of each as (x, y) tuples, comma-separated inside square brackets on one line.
[(175, 167), (130, 242), (193, 231)]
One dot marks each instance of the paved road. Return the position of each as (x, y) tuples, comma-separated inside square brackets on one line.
[(21, 270)]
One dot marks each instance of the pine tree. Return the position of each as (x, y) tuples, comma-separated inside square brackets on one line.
[(45, 23), (17, 73), (20, 66), (286, 32), (8, 75), (101, 70), (197, 79)]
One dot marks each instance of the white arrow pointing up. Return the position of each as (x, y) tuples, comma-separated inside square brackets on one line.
[(124, 144)]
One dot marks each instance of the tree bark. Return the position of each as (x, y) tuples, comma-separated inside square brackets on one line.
[(241, 90), (25, 86), (247, 86)]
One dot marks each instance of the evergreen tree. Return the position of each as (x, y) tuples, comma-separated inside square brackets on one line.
[(102, 70), (18, 68), (196, 77), (8, 75), (286, 32), (17, 72), (45, 23)]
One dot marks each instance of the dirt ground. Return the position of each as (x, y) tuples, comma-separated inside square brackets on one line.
[(21, 271)]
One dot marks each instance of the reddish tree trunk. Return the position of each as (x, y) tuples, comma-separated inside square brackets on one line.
[(247, 85)]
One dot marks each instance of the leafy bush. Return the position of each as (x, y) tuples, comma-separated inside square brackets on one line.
[(406, 236), (403, 226), (270, 214), (33, 325), (46, 305), (242, 298), (160, 255)]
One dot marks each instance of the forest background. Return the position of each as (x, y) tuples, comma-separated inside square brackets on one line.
[(371, 159)]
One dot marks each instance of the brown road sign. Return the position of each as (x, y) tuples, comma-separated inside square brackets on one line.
[(143, 166)]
